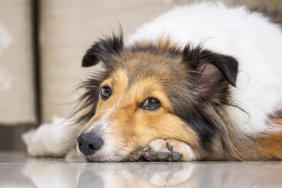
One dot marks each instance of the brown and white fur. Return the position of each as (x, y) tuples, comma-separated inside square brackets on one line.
[(197, 83)]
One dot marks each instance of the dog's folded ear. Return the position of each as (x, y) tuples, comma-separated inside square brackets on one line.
[(104, 50), (210, 68)]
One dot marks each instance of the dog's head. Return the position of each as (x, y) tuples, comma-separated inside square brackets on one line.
[(152, 90)]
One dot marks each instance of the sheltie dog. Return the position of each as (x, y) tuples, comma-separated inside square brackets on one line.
[(200, 82)]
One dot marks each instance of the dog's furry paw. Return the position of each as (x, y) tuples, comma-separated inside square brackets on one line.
[(53, 139), (168, 150)]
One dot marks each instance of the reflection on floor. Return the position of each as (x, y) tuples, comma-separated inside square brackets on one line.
[(16, 170)]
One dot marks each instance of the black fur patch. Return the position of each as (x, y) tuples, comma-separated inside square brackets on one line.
[(198, 107), (191, 111), (227, 65), (103, 50)]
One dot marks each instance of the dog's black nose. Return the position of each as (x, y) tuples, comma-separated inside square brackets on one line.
[(88, 143)]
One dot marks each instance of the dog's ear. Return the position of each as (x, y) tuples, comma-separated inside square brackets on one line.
[(210, 68), (103, 50)]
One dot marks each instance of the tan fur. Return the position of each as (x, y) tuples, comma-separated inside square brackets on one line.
[(277, 121), (163, 43), (270, 144)]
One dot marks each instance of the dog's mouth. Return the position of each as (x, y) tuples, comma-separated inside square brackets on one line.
[(93, 159), (112, 158), (136, 155)]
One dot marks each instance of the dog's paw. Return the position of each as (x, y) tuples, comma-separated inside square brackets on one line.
[(168, 150)]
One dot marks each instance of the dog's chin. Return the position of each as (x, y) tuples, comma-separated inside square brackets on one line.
[(98, 158), (103, 159)]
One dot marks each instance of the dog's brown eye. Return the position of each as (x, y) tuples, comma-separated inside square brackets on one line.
[(151, 104), (106, 92)]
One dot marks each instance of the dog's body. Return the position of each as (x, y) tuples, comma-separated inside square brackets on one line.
[(198, 83)]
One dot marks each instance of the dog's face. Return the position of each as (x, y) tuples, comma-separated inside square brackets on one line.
[(151, 91)]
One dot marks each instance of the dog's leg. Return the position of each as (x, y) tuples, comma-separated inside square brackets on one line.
[(270, 144), (169, 150), (54, 139)]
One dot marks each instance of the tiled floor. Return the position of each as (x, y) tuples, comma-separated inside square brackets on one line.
[(17, 170)]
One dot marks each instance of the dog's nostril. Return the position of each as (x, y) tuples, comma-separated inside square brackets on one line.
[(97, 143), (90, 146)]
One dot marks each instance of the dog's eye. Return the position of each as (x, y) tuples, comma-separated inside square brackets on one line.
[(151, 104), (106, 92)]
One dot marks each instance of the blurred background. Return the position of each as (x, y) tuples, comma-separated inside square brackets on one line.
[(42, 43)]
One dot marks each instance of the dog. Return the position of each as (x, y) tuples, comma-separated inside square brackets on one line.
[(200, 82)]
